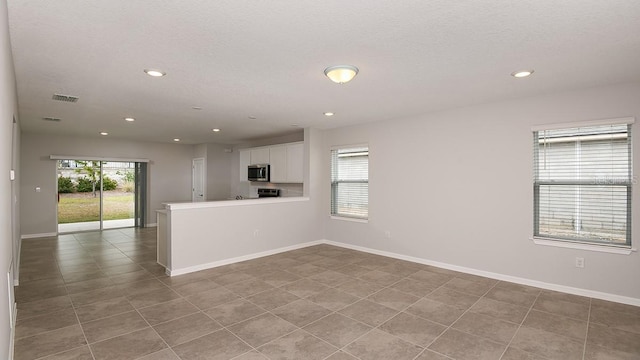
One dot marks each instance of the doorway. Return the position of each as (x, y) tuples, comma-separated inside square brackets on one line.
[(98, 195), (198, 180)]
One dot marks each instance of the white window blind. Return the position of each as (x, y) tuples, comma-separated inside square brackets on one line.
[(582, 184), (350, 182)]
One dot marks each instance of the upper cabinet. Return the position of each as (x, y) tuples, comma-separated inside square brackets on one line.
[(260, 155), (245, 161), (286, 161)]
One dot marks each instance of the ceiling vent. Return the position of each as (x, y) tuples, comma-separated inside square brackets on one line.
[(67, 98), (51, 119)]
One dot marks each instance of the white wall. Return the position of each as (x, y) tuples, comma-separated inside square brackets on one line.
[(8, 109), (169, 178), (218, 169), (456, 187)]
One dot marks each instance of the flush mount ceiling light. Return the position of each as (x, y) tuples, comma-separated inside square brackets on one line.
[(129, 119), (521, 73), (341, 74), (215, 130), (154, 72), (328, 113), (104, 133), (176, 140)]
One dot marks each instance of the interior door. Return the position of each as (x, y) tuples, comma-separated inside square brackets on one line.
[(198, 180)]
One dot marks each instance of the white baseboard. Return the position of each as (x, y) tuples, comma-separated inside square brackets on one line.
[(12, 333), (518, 280), (214, 264), (33, 236)]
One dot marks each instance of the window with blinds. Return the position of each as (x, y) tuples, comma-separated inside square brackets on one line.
[(350, 182), (582, 184)]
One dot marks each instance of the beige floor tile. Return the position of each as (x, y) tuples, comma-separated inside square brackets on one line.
[(112, 326), (211, 298), (380, 277), (414, 287), (500, 310), (627, 321), (557, 324), (341, 356), (251, 355), (517, 354), (272, 299), (249, 287), (453, 298), (152, 297), (413, 329), (51, 342), (556, 305), (129, 346), (620, 340), (547, 345), (102, 309), (431, 355), (471, 287), (277, 277), (47, 322), (393, 299), (515, 297), (301, 312), (594, 352), (368, 312), (379, 345), (360, 288), (234, 312), (167, 311), (431, 278), (330, 278), (460, 345), (297, 345), (304, 288), (81, 353), (262, 329), (487, 327), (338, 330), (333, 299), (435, 311), (186, 328), (41, 307)]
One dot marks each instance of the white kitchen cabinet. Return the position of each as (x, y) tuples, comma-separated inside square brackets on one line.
[(245, 161), (278, 162), (295, 163), (260, 155)]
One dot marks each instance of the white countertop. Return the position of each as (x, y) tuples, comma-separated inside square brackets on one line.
[(224, 203)]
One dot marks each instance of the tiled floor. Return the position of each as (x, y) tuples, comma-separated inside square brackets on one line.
[(99, 296)]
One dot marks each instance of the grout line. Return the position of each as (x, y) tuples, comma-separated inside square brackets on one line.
[(586, 335), (521, 323)]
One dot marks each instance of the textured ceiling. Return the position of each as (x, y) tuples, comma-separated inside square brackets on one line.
[(265, 59)]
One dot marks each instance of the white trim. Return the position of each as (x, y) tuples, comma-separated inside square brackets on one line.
[(95, 158), (497, 276), (33, 236), (346, 218), (349, 146), (582, 246), (215, 264), (576, 124)]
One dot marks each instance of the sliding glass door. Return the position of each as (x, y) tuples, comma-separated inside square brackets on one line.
[(96, 195)]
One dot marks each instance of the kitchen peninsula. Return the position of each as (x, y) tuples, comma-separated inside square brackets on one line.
[(202, 235)]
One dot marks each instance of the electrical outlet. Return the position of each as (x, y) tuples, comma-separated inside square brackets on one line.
[(387, 234), (580, 262)]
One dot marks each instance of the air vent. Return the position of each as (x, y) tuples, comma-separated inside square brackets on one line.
[(51, 119), (67, 98)]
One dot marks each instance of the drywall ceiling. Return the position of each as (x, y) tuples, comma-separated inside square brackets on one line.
[(256, 67)]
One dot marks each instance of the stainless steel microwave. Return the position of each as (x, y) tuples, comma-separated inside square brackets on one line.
[(258, 172)]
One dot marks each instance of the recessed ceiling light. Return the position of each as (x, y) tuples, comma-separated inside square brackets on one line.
[(522, 73), (129, 119), (328, 113), (215, 130), (295, 125), (196, 108), (104, 133), (154, 72), (252, 117), (176, 139)]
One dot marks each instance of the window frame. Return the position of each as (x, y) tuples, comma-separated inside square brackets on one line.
[(333, 184), (584, 244)]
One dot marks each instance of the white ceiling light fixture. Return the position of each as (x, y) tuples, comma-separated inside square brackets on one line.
[(215, 130), (155, 72), (328, 113), (129, 119), (341, 74), (176, 140), (104, 133), (521, 73)]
